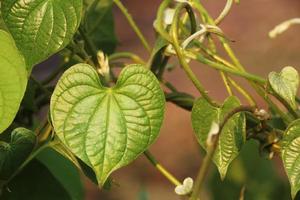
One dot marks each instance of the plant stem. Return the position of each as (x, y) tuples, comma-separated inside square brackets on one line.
[(178, 50), (161, 169), (287, 106), (128, 55), (234, 59), (89, 45), (241, 90), (226, 83), (211, 148), (159, 22), (133, 24), (225, 11), (224, 68)]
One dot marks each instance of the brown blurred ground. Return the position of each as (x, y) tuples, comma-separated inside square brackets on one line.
[(248, 25)]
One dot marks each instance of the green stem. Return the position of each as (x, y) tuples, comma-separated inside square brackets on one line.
[(129, 55), (257, 88), (286, 118), (133, 24), (161, 169), (287, 106), (226, 83), (224, 68), (241, 90), (89, 45), (232, 56), (211, 148), (225, 11), (178, 49), (159, 22)]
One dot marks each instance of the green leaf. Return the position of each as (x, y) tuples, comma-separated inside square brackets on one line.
[(99, 24), (13, 80), (232, 137), (64, 171), (290, 155), (157, 56), (60, 148), (35, 182), (107, 128), (13, 154), (41, 27), (285, 84)]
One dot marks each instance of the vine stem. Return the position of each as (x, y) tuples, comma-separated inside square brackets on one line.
[(225, 79), (161, 169), (183, 62), (235, 60), (225, 12), (89, 45), (127, 55), (241, 90), (133, 24), (222, 67), (211, 148)]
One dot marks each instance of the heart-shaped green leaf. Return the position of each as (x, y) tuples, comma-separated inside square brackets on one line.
[(107, 128), (290, 155), (41, 27), (233, 134), (13, 154), (285, 84), (13, 80)]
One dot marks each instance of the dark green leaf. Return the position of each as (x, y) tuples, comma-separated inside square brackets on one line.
[(35, 182), (64, 172), (99, 24), (233, 134), (13, 154), (41, 27), (181, 99), (157, 56), (107, 127)]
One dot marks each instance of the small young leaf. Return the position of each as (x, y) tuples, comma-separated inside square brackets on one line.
[(41, 27), (290, 155), (285, 84), (107, 128), (13, 154), (233, 134), (13, 80)]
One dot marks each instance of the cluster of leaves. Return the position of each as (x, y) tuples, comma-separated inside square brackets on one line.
[(98, 128)]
